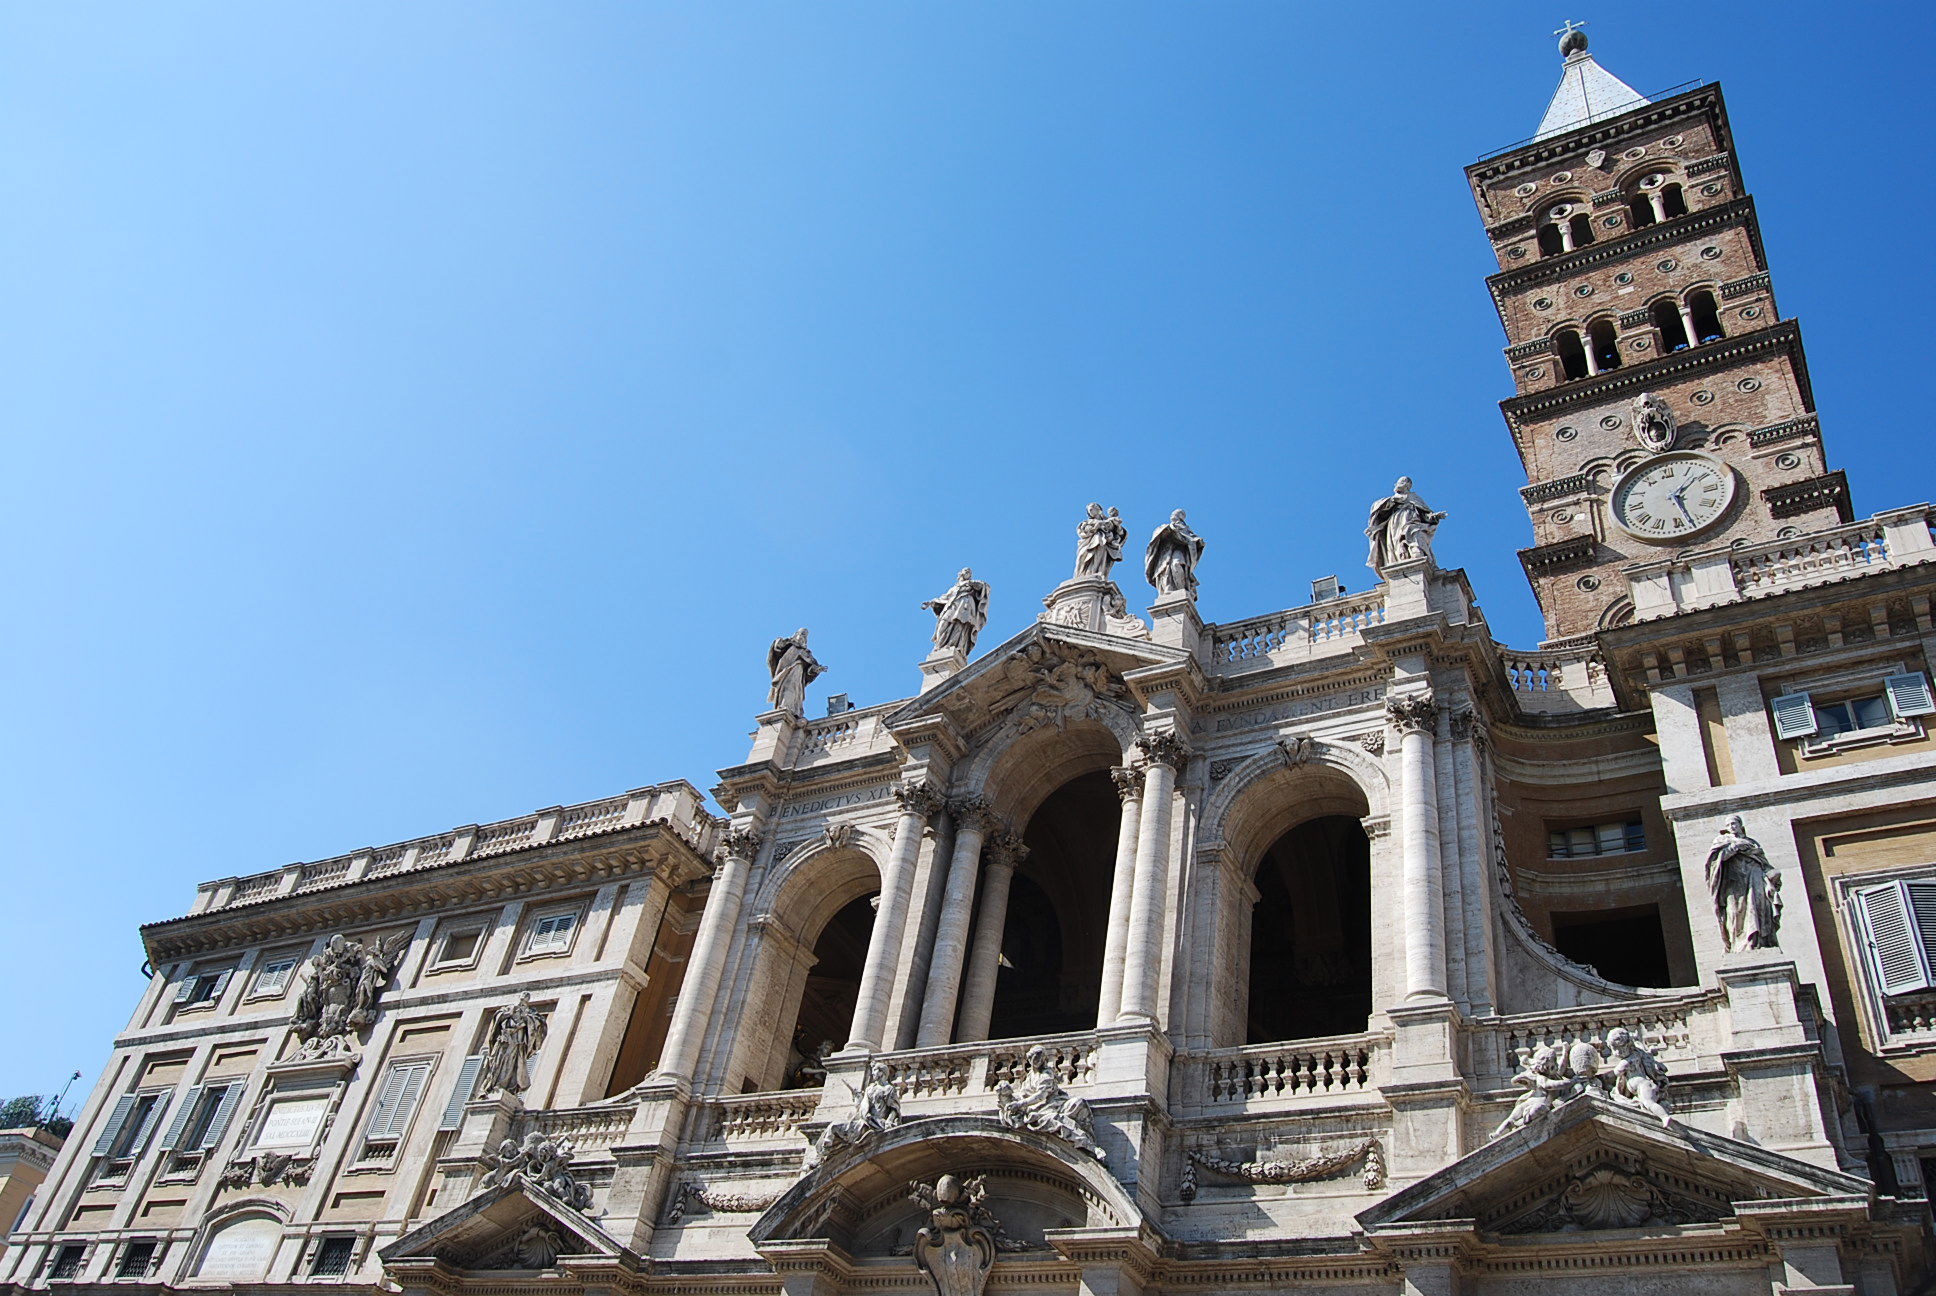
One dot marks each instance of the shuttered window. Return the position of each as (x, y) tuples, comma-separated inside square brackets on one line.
[(396, 1100), (191, 1103), (123, 1108), (276, 974), (1899, 934), (1794, 716), (551, 934), (1909, 695), (203, 1117), (460, 1093)]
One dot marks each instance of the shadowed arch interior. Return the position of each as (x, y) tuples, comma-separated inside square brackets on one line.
[(1310, 934)]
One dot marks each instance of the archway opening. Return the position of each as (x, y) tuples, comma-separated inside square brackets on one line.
[(1572, 354), (1310, 934), (1050, 977), (831, 991)]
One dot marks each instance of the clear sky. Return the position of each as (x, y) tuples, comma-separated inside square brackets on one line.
[(419, 414)]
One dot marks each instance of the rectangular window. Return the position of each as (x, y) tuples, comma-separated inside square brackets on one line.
[(1852, 715), (551, 934), (203, 1118), (277, 971), (67, 1263), (333, 1256), (459, 946), (203, 986), (1899, 934), (129, 1127), (1619, 838), (136, 1259), (396, 1101)]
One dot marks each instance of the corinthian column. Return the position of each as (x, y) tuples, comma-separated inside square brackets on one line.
[(1122, 885), (1423, 905), (707, 962), (985, 961), (973, 819), (1143, 954), (918, 802)]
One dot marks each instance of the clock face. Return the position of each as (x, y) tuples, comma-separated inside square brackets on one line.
[(1672, 496)]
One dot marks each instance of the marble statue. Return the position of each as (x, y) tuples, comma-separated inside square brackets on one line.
[(793, 667), (1653, 423), (1635, 1076), (877, 1109), (1746, 889), (1039, 1103), (1545, 1079), (1170, 562), (516, 1034), (1099, 542), (1401, 528), (540, 1162), (954, 1251), (959, 614), (339, 997)]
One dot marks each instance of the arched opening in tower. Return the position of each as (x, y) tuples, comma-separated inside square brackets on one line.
[(1582, 228), (1050, 975), (832, 989), (1706, 314), (1310, 934), (1673, 332), (1604, 345), (1572, 353)]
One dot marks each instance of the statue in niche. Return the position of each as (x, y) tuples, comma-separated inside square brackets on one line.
[(339, 997), (1038, 1102), (1099, 542), (1635, 1076), (955, 1251), (1170, 561), (1401, 528), (1746, 889), (959, 614), (877, 1109), (1653, 423), (793, 667), (514, 1038)]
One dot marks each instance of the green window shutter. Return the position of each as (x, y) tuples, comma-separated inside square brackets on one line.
[(224, 1113), (1896, 950), (182, 1113), (116, 1119), (1794, 716), (1909, 695), (460, 1093)]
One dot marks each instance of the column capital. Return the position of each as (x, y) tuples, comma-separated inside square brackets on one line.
[(1164, 749), (972, 813), (738, 843), (1416, 714), (1005, 850), (918, 798), (1128, 780)]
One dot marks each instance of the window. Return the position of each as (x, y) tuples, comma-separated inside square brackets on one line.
[(1551, 241), (1641, 208), (129, 1125), (67, 1263), (1581, 228), (1672, 201), (1869, 713), (136, 1259), (1898, 921), (396, 1103), (1705, 315), (1572, 354), (1602, 346), (1596, 839), (200, 1123), (1673, 329), (333, 1256), (276, 972), (459, 946), (203, 986), (551, 933)]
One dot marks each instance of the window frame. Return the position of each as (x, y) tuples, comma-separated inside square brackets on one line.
[(527, 943), (216, 978), (127, 1250), (1627, 825), (58, 1255), (315, 1266), (440, 962), (377, 1147), (296, 956), (1853, 925), (1888, 680)]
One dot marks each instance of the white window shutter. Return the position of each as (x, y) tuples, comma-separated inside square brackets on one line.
[(397, 1099), (1794, 716), (116, 1119), (386, 1103), (222, 982), (1896, 951), (186, 988), (1909, 695), (155, 1113), (460, 1093), (182, 1113), (219, 1125)]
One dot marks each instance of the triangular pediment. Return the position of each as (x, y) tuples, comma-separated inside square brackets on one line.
[(1598, 1165), (1047, 674), (513, 1226)]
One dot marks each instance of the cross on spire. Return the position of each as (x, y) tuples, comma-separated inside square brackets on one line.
[(1569, 29)]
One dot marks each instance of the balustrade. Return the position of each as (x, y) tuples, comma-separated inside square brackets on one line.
[(1911, 1014), (590, 1129), (1296, 633), (1297, 1071), (757, 1117)]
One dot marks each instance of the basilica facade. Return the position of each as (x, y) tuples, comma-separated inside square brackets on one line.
[(1339, 949)]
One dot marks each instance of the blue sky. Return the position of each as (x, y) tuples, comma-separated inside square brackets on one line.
[(422, 414)]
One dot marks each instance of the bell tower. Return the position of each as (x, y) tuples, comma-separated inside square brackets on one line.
[(1662, 404)]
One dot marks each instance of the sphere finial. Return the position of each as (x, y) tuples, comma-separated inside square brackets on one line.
[(1572, 38)]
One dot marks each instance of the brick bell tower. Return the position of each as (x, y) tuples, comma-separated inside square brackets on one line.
[(1662, 403)]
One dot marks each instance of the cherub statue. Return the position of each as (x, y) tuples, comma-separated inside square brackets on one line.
[(1635, 1076), (1546, 1082)]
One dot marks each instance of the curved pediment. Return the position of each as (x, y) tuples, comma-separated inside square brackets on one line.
[(859, 1197)]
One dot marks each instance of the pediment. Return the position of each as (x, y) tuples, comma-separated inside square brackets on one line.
[(510, 1227), (1598, 1165), (1045, 675)]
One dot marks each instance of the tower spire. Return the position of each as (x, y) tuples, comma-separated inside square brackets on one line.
[(1587, 92)]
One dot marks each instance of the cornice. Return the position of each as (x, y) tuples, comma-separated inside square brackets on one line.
[(1530, 153)]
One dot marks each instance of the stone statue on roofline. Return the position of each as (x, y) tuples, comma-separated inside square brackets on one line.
[(959, 614), (1099, 542), (793, 667), (1401, 528), (1170, 561)]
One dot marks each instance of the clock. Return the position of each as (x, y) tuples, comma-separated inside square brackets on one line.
[(1673, 496)]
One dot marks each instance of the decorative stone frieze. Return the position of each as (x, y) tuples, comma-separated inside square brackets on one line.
[(269, 1169), (1323, 1166)]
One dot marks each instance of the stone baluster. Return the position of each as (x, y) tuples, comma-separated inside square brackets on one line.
[(707, 962), (973, 819), (984, 961), (1416, 719), (1129, 786), (1163, 755), (918, 802)]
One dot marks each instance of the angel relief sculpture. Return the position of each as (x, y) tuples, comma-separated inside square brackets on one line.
[(339, 998)]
